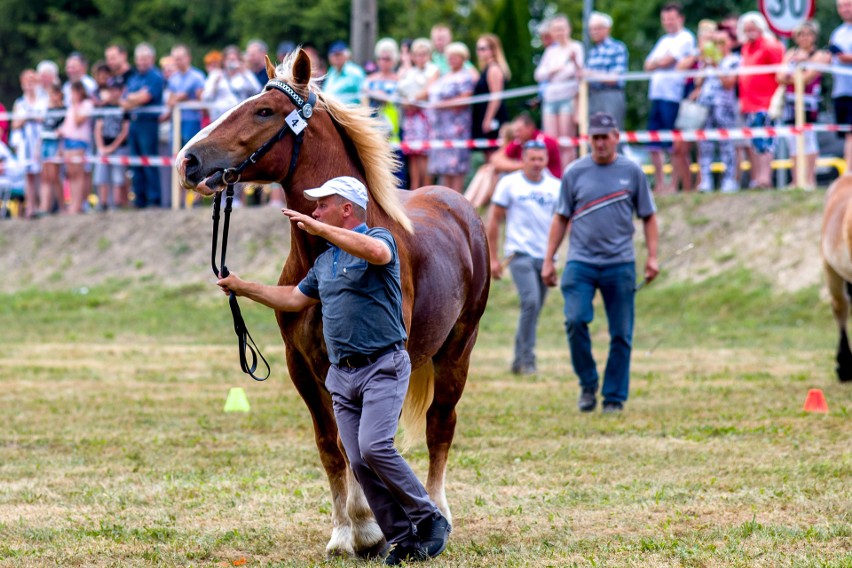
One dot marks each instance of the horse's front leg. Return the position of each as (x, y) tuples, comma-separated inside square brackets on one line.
[(367, 538), (354, 531), (318, 401)]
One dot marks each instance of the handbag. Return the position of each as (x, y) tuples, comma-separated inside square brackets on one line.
[(776, 104), (691, 115)]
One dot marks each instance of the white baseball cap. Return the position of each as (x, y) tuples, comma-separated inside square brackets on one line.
[(345, 186)]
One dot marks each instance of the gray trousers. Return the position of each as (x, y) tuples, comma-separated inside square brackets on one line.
[(526, 273), (367, 402)]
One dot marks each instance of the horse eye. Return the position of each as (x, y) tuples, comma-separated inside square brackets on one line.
[(264, 112)]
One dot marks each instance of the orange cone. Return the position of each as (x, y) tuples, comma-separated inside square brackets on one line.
[(816, 402)]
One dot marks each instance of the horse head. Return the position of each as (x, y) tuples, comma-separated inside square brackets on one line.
[(306, 139), (231, 141)]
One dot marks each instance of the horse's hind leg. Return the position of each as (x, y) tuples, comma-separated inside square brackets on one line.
[(840, 292), (451, 365)]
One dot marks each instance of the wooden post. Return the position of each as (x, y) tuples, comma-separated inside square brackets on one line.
[(583, 115), (176, 145), (363, 29), (801, 159)]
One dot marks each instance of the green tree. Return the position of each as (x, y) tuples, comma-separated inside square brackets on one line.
[(511, 24)]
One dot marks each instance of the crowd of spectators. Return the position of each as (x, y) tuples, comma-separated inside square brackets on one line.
[(420, 90)]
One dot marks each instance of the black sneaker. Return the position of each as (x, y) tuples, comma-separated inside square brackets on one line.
[(612, 407), (406, 553), (587, 401), (434, 534)]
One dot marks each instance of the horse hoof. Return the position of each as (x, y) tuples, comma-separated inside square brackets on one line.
[(338, 553), (340, 545), (375, 552), (844, 372)]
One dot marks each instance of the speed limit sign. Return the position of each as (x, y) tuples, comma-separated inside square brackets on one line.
[(784, 16)]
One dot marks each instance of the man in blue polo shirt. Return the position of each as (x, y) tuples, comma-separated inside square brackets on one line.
[(599, 196), (143, 94), (357, 282), (185, 85)]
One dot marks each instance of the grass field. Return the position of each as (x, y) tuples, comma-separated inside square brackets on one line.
[(115, 451)]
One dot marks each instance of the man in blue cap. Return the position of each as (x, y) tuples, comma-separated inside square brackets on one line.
[(357, 282), (344, 78)]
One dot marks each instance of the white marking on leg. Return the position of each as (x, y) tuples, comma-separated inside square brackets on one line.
[(365, 531), (340, 543), (437, 491)]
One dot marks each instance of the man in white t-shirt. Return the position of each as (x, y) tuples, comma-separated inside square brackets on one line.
[(666, 91), (525, 200)]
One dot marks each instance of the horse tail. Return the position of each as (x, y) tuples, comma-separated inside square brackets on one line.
[(421, 390)]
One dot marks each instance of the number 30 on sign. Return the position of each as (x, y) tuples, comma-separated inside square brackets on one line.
[(784, 16)]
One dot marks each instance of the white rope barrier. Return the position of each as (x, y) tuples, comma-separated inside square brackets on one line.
[(502, 95)]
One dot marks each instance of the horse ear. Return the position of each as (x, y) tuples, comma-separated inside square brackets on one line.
[(270, 68), (302, 68)]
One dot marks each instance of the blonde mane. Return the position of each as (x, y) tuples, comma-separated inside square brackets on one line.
[(370, 143)]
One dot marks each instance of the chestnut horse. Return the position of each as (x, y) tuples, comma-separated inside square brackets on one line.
[(444, 266), (836, 249)]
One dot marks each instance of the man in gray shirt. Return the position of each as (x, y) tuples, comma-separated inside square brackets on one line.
[(599, 195), (357, 281)]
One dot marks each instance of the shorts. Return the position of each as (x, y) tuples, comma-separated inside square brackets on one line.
[(49, 148), (111, 174), (70, 144), (759, 120), (843, 113), (563, 106), (662, 117), (811, 144)]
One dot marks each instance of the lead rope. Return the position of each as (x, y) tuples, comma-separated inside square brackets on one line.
[(295, 122), (244, 339)]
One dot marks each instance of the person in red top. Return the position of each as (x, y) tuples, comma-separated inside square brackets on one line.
[(759, 48), (508, 158), (4, 126)]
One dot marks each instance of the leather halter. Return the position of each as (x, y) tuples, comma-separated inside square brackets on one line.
[(296, 122)]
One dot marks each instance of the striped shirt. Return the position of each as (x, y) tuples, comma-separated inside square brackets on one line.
[(600, 200), (608, 56)]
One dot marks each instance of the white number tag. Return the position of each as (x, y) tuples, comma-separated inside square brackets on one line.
[(296, 122)]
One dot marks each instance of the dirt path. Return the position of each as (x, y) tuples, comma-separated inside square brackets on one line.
[(774, 233)]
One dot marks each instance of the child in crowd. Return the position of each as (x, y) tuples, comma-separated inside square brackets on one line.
[(111, 130), (51, 188), (76, 132)]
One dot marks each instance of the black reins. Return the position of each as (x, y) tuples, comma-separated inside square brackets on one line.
[(296, 122)]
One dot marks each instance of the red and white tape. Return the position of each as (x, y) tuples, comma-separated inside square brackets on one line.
[(631, 137), (146, 161)]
